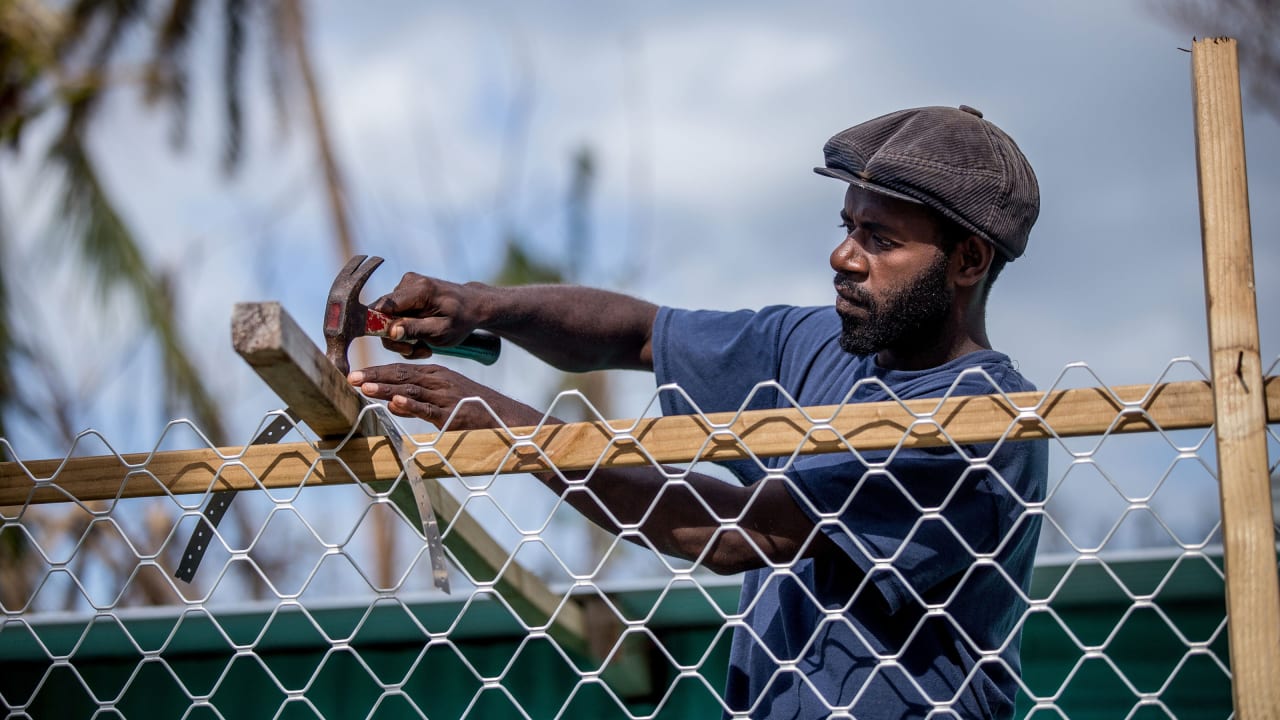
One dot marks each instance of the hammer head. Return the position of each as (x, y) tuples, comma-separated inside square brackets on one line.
[(345, 317)]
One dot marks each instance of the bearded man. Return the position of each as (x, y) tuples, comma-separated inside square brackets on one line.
[(875, 585)]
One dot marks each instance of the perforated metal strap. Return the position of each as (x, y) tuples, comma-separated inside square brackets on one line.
[(430, 529), (220, 501)]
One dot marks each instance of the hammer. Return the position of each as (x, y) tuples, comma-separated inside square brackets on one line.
[(346, 318)]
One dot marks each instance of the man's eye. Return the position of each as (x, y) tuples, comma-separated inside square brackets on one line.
[(882, 242)]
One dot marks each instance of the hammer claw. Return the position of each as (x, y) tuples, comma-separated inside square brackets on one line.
[(359, 270), (345, 315)]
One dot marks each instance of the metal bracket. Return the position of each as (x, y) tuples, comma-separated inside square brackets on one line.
[(430, 528), (220, 501)]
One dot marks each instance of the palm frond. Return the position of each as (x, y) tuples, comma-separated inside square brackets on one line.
[(116, 261), (115, 18), (233, 83), (80, 17), (167, 74), (119, 17), (11, 350), (28, 48)]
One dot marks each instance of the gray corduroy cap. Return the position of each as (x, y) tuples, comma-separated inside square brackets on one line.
[(949, 159)]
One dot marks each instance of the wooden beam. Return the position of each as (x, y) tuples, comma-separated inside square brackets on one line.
[(629, 443), (284, 357), (1253, 595), (280, 352)]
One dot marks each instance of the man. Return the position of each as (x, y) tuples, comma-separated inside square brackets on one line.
[(877, 585)]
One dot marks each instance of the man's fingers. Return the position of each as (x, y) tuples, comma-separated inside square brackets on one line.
[(408, 407), (417, 382), (409, 297), (398, 384), (396, 302), (390, 391), (409, 351), (430, 330), (440, 396), (411, 337), (389, 374), (423, 310), (385, 306)]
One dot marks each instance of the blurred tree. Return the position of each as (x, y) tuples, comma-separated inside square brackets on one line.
[(58, 62), (1255, 24)]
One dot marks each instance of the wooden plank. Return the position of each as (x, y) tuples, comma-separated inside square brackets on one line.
[(676, 439), (1253, 595), (280, 352)]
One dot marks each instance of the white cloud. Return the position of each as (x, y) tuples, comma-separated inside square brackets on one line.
[(708, 120)]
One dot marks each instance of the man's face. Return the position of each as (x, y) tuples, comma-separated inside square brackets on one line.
[(892, 277)]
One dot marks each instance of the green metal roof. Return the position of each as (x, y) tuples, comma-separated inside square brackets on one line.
[(1140, 630)]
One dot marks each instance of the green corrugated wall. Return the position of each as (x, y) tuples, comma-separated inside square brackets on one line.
[(1137, 650)]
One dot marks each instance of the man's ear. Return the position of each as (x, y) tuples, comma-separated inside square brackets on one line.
[(970, 261)]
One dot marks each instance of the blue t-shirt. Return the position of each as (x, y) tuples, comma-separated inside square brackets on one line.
[(923, 530)]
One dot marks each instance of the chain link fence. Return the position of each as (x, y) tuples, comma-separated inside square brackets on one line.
[(315, 596)]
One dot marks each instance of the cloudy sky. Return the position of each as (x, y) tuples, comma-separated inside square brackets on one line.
[(457, 124)]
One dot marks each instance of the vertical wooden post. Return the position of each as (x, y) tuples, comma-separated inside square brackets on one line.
[(1253, 596)]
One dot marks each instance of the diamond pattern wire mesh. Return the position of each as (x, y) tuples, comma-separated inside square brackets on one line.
[(301, 609)]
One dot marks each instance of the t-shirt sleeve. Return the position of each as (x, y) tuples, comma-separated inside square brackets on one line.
[(718, 359)]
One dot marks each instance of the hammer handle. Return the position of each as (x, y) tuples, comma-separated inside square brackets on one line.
[(480, 346)]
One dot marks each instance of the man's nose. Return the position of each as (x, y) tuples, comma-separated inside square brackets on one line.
[(849, 258)]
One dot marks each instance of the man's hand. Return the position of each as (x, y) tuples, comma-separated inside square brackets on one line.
[(575, 329), (433, 393), (435, 312)]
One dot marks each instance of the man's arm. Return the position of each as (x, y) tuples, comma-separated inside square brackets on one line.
[(680, 517), (726, 528), (571, 328)]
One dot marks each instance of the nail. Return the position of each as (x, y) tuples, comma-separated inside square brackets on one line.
[(397, 332), (355, 378), (369, 388)]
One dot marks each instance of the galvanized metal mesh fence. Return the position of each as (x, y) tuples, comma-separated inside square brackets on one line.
[(316, 597), (307, 605)]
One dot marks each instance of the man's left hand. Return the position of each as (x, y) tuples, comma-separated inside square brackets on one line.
[(434, 393)]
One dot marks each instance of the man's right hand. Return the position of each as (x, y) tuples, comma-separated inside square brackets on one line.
[(429, 311), (575, 329)]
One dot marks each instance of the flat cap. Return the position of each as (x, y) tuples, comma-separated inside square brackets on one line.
[(949, 159)]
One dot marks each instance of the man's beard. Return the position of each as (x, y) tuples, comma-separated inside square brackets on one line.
[(909, 318)]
